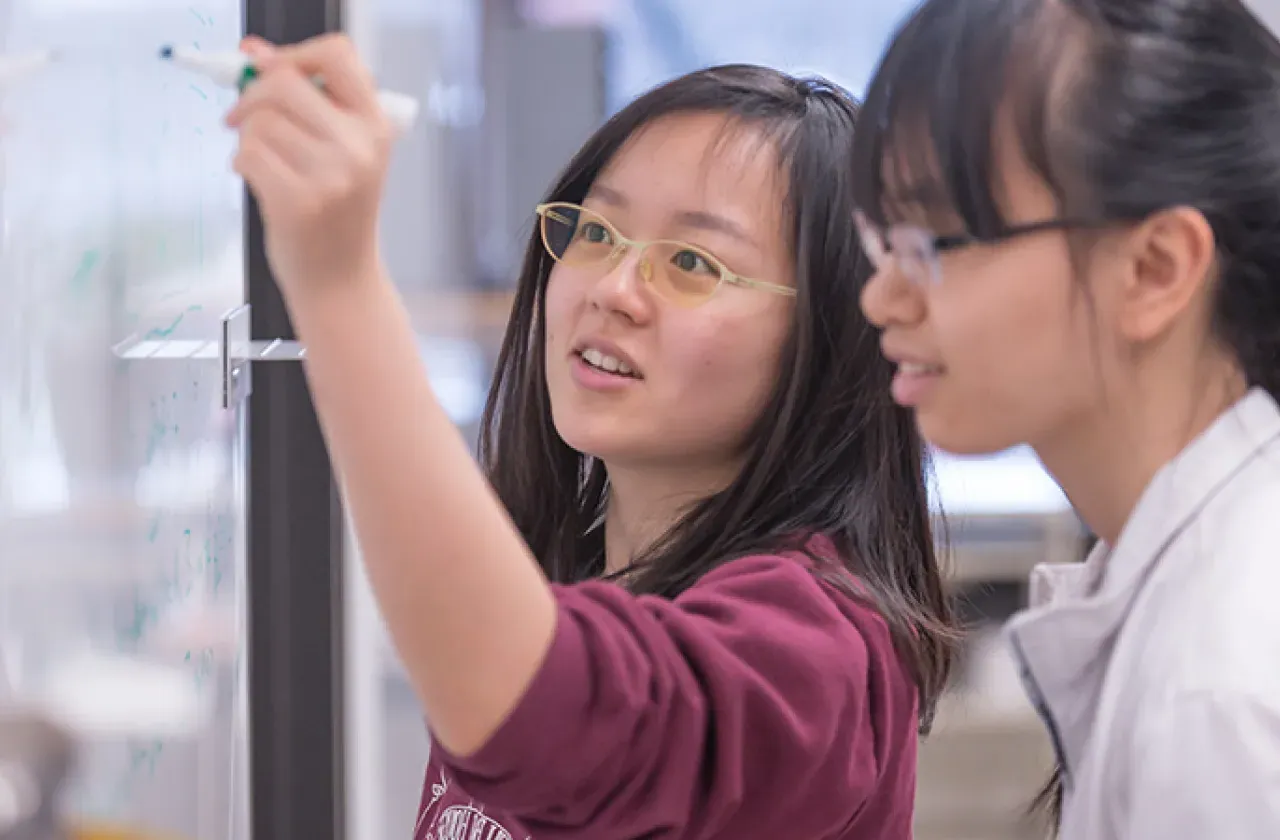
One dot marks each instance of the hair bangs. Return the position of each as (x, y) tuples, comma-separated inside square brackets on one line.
[(925, 151)]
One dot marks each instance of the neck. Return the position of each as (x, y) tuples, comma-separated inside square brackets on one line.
[(645, 503), (1105, 461)]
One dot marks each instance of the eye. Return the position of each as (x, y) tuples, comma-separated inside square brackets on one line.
[(693, 263), (595, 233)]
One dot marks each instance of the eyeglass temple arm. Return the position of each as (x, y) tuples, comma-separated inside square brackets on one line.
[(761, 284)]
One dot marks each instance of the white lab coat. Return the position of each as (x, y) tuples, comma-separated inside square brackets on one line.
[(1156, 663)]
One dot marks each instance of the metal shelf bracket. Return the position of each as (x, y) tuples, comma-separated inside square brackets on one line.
[(234, 351)]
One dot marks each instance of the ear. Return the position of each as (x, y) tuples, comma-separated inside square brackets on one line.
[(1172, 261)]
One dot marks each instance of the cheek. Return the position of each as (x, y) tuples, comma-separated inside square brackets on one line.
[(1017, 359), (722, 372), (561, 298)]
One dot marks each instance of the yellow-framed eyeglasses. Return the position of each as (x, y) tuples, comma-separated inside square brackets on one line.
[(682, 273)]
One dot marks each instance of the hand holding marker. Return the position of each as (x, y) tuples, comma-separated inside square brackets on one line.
[(236, 70)]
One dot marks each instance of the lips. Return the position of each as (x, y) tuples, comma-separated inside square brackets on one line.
[(602, 355), (608, 363), (918, 369), (914, 382), (907, 361)]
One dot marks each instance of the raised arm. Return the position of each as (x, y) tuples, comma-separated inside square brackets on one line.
[(468, 609)]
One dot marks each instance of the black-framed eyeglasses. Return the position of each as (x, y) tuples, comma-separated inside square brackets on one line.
[(915, 249)]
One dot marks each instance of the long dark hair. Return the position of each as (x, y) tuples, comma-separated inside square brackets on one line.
[(830, 454), (1123, 107)]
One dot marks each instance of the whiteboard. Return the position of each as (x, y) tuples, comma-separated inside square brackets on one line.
[(121, 481)]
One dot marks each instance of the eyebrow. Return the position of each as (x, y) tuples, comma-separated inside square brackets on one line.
[(699, 219)]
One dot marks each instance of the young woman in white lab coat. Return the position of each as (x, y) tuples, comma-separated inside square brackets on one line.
[(1074, 211)]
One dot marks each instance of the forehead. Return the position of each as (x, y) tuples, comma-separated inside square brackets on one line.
[(701, 162), (986, 186)]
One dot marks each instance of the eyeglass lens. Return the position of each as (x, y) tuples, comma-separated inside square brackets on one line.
[(679, 272)]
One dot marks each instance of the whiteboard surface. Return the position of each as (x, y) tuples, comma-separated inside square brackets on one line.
[(121, 499)]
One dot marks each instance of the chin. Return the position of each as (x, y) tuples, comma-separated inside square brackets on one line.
[(971, 437), (618, 447), (594, 442)]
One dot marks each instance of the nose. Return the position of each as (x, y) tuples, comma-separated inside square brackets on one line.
[(891, 299), (624, 289)]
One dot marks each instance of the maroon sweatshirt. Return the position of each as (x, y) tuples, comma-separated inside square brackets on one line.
[(761, 703)]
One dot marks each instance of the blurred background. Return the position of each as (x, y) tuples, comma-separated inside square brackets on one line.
[(122, 476)]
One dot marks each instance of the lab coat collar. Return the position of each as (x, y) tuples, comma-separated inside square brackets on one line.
[(1064, 641)]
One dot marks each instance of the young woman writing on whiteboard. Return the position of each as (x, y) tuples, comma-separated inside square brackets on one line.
[(688, 402), (1084, 255)]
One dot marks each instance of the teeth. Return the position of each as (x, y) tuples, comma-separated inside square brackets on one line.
[(605, 362), (917, 369)]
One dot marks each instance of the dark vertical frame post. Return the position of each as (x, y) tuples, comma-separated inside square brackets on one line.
[(497, 19), (295, 549)]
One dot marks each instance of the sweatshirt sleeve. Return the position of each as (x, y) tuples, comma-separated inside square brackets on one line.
[(741, 704)]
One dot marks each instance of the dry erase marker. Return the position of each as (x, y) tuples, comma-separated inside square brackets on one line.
[(14, 68), (236, 70)]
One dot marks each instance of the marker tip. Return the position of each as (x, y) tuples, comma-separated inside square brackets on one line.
[(166, 52)]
